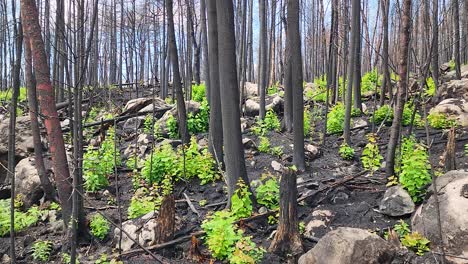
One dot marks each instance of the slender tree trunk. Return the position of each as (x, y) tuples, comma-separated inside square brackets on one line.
[(386, 83), (456, 35), (182, 115), (45, 94), (351, 69), (402, 87), (435, 41), (46, 185), (287, 239), (263, 58), (233, 148), (215, 143)]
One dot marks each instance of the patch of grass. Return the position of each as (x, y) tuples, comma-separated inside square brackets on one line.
[(22, 219)]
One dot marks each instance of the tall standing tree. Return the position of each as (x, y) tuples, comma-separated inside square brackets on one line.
[(456, 36), (233, 148), (287, 239), (402, 87), (386, 83), (355, 15), (435, 41), (45, 92), (262, 75), (181, 112), (215, 143)]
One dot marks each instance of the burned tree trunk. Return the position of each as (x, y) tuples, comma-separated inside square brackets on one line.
[(46, 98)]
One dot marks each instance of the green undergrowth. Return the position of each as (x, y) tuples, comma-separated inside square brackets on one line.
[(225, 239), (23, 219), (98, 164)]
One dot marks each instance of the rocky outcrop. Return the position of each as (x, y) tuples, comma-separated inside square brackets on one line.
[(396, 202), (27, 182), (252, 105), (454, 89), (347, 245), (251, 90), (452, 190), (24, 141), (456, 109)]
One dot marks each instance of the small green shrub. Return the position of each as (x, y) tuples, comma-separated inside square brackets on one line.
[(414, 168), (99, 164), (172, 127), (147, 124), (369, 82), (22, 219), (383, 113), (41, 250), (335, 119), (99, 226), (220, 234), (273, 89), (167, 162), (430, 87), (412, 240), (371, 158), (277, 151), (466, 149), (223, 238), (440, 121), (307, 121), (416, 242), (241, 205), (199, 122), (268, 194), (199, 92), (346, 152), (269, 123), (407, 115), (140, 206), (264, 145)]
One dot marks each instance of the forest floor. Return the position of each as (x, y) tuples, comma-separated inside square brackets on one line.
[(354, 203)]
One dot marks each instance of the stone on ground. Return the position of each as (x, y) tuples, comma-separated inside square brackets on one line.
[(396, 202)]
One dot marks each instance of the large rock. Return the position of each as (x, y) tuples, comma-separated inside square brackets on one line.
[(319, 222), (347, 245), (190, 106), (27, 182), (142, 230), (396, 202), (453, 108), (454, 89), (252, 105), (24, 139), (452, 189), (251, 90)]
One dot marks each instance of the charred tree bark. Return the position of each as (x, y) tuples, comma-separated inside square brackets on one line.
[(215, 144), (181, 112), (263, 57), (45, 94), (456, 35), (233, 148), (47, 187), (287, 239), (402, 87), (386, 83)]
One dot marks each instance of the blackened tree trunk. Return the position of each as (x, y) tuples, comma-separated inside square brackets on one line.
[(435, 41), (456, 35), (233, 148), (182, 115), (295, 71), (262, 75), (358, 59), (386, 83), (402, 87), (204, 40), (18, 34), (355, 11), (46, 185), (287, 239), (45, 94), (215, 143)]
